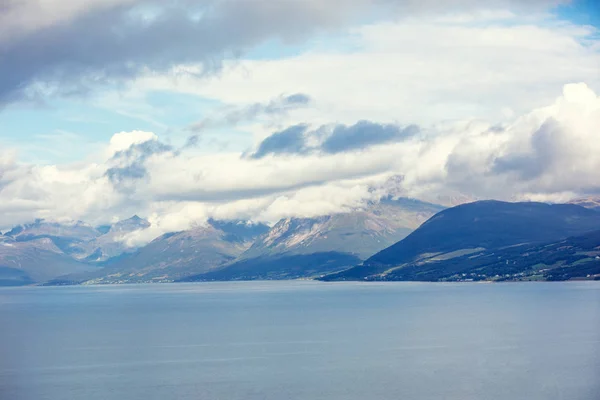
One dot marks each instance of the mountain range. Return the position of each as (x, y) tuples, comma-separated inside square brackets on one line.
[(33, 261), (390, 239), (44, 250), (592, 202), (176, 255), (292, 248), (486, 240), (307, 247)]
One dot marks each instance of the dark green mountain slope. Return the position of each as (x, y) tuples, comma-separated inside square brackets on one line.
[(431, 252), (571, 258)]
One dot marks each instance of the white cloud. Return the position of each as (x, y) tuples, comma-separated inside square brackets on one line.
[(123, 140), (167, 217), (414, 70), (550, 153)]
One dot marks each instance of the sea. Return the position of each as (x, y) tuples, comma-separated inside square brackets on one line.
[(278, 340)]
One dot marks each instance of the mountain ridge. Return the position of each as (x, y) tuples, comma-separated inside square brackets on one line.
[(175, 255), (359, 244), (470, 229), (307, 247), (591, 202), (44, 250)]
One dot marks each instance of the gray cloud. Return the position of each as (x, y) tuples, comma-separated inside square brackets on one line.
[(278, 106), (130, 162), (545, 152), (364, 134), (435, 6), (4, 179), (192, 141), (233, 116), (69, 47), (288, 141), (120, 40), (342, 138), (234, 194), (118, 175)]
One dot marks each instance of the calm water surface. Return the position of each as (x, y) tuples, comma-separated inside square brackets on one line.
[(301, 340)]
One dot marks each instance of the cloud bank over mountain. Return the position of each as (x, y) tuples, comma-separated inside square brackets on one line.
[(550, 153)]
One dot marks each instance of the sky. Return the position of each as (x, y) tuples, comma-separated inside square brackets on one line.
[(183, 110)]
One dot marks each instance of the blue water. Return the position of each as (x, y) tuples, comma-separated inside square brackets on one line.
[(301, 340)]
